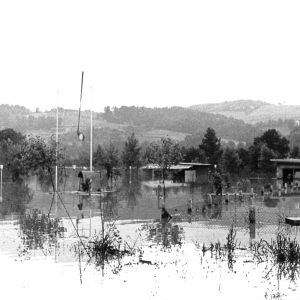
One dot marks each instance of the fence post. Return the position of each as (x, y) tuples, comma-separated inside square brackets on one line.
[(252, 214), (252, 231), (240, 195), (285, 188), (209, 200), (227, 198), (251, 196)]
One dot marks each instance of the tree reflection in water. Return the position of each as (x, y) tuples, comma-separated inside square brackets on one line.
[(38, 231), (109, 206), (15, 198), (173, 235), (131, 188)]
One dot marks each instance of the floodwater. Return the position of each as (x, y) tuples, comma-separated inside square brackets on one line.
[(28, 234)]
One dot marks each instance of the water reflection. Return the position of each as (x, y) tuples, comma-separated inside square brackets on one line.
[(268, 202), (15, 198), (38, 231), (137, 198), (173, 235), (109, 206), (131, 189)]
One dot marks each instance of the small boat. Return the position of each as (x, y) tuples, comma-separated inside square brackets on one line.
[(292, 221)]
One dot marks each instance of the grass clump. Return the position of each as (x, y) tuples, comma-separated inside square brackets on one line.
[(225, 252), (281, 255), (104, 248)]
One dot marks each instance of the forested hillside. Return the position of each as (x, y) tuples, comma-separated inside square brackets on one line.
[(189, 128), (183, 120), (22, 119), (115, 125)]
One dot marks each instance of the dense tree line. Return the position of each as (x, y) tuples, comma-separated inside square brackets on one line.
[(23, 123), (25, 155), (22, 156), (289, 123)]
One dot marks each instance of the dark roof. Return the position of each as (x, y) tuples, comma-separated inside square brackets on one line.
[(194, 164), (180, 166), (87, 174), (287, 160)]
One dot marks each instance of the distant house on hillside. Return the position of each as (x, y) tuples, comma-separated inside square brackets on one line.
[(184, 172)]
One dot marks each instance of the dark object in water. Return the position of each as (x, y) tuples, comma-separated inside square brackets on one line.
[(143, 261), (165, 215), (292, 221)]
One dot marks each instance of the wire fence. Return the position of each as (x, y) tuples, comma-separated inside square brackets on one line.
[(225, 217)]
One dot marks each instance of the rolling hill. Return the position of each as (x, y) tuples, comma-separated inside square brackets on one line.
[(251, 111)]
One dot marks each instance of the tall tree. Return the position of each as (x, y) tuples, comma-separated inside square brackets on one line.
[(269, 145), (295, 152), (131, 155), (211, 145), (264, 161), (231, 160), (9, 139), (108, 158), (34, 155), (273, 140), (193, 154), (9, 134), (254, 156), (294, 137), (245, 158), (165, 153)]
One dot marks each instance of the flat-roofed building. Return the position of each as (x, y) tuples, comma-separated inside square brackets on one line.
[(184, 172), (287, 171)]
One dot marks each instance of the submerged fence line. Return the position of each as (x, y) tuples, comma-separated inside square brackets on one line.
[(224, 216)]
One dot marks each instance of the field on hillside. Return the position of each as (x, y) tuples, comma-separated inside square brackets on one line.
[(156, 134), (261, 114)]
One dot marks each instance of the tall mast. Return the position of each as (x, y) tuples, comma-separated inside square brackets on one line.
[(91, 146), (56, 167)]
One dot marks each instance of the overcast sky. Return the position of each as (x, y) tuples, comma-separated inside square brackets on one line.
[(148, 53)]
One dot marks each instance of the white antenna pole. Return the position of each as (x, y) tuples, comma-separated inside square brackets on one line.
[(56, 167), (91, 150)]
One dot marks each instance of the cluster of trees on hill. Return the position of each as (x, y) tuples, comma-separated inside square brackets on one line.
[(289, 123), (246, 106), (181, 120), (21, 119)]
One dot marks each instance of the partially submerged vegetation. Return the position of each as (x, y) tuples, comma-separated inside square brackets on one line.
[(282, 256), (225, 252), (104, 248)]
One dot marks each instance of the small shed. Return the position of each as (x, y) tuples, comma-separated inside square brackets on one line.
[(91, 177), (196, 172), (287, 171), (185, 172)]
